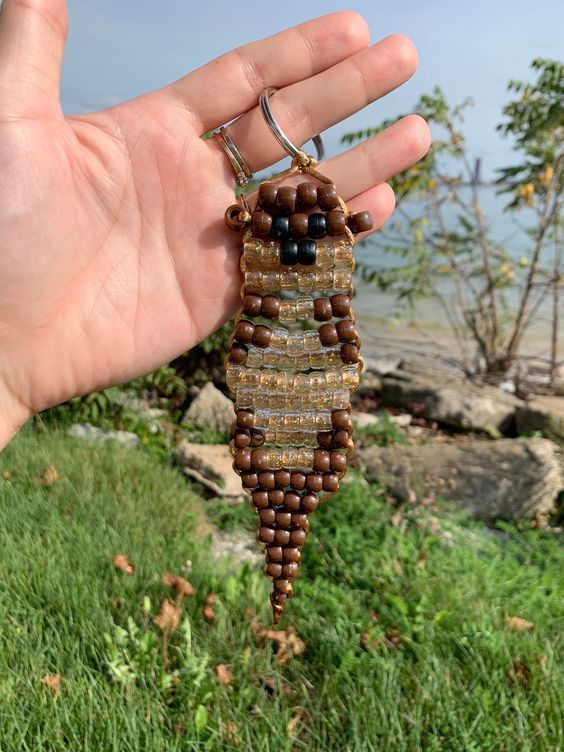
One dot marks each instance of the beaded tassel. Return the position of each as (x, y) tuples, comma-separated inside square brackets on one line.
[(293, 362)]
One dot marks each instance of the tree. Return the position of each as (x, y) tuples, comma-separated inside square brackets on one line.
[(442, 244)]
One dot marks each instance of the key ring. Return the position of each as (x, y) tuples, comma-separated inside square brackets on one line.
[(278, 133)]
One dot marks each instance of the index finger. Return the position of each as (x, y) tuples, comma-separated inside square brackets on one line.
[(230, 85)]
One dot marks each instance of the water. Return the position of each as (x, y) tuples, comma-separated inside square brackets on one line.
[(389, 327)]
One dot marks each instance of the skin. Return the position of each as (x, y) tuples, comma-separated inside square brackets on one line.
[(114, 254)]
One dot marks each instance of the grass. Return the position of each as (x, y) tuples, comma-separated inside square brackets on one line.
[(402, 612)]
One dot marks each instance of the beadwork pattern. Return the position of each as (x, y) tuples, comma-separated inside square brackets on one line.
[(293, 363)]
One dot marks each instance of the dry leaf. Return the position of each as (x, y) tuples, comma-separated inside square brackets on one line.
[(289, 643), (49, 476), (293, 723), (120, 561), (181, 587), (393, 638), (229, 731), (168, 617), (223, 674), (520, 673), (422, 560), (207, 611), (397, 518), (517, 624), (397, 567), (53, 681), (6, 475)]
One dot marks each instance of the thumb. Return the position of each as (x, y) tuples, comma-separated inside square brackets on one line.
[(32, 41)]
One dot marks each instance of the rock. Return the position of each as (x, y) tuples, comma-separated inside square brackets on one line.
[(544, 414), (211, 465), (363, 420), (509, 479), (443, 396), (381, 366), (89, 432), (211, 409), (240, 547)]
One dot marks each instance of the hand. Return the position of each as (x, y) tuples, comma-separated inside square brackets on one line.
[(114, 257)]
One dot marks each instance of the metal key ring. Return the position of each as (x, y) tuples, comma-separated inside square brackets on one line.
[(277, 131)]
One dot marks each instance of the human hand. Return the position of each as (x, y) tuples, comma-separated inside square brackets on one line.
[(114, 257)]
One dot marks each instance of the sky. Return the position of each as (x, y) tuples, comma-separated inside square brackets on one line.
[(118, 49)]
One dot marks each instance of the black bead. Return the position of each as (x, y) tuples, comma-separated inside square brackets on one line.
[(307, 251), (280, 228), (289, 252), (316, 225)]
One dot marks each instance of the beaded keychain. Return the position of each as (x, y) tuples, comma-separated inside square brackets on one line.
[(292, 381)]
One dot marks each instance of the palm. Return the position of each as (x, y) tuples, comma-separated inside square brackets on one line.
[(115, 257)]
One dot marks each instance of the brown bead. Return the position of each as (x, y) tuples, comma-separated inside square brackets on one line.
[(265, 535), (341, 439), (262, 335), (301, 521), (274, 553), (242, 459), (298, 537), (341, 420), (307, 195), (238, 353), (345, 330), (328, 335), (330, 482), (360, 222), (267, 516), (252, 304), (244, 331), (257, 438), (276, 497), (314, 482), (286, 199), (341, 304), (298, 481), (266, 480), (338, 462), (282, 478), (310, 502), (249, 480), (262, 222), (290, 570), (273, 570), (327, 196), (282, 585), (298, 225), (349, 353), (321, 460), (291, 554), (336, 222), (322, 310), (270, 307), (291, 501), (242, 438), (282, 536), (267, 195), (325, 439), (245, 419), (283, 519), (260, 499), (259, 459)]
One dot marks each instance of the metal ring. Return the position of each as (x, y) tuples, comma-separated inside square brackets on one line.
[(241, 168), (277, 131)]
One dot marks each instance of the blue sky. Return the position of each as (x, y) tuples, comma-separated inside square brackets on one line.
[(120, 48)]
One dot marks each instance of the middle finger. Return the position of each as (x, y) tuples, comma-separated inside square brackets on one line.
[(311, 106)]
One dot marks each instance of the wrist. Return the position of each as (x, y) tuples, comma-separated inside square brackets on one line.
[(13, 414)]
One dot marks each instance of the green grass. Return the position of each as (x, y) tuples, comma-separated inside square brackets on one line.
[(402, 615)]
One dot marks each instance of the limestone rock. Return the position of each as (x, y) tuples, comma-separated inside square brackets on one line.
[(210, 465), (544, 414), (211, 409), (438, 394), (508, 479), (88, 432)]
